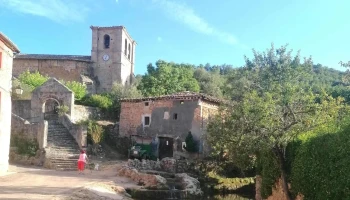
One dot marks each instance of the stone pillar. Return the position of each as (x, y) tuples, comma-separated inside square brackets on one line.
[(5, 130), (42, 134), (82, 136)]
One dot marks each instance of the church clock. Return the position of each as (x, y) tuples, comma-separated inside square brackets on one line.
[(105, 57)]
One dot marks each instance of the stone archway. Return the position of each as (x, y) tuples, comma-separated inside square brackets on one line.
[(47, 98), (50, 109)]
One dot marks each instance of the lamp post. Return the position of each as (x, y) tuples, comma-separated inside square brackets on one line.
[(19, 90)]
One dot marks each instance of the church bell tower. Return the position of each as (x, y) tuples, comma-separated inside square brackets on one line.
[(113, 56)]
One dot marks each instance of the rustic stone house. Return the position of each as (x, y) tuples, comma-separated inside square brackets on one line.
[(7, 51), (112, 60), (168, 118)]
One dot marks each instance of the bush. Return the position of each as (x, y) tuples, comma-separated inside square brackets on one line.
[(320, 168), (62, 110), (101, 101), (95, 132), (24, 145), (79, 89), (34, 79)]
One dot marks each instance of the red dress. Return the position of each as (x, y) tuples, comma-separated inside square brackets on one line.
[(82, 161)]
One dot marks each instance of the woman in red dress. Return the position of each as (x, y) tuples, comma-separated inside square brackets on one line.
[(82, 161)]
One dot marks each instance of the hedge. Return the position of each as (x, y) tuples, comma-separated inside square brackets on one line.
[(321, 166)]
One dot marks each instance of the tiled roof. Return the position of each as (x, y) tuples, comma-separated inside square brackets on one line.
[(53, 57), (9, 43), (177, 96)]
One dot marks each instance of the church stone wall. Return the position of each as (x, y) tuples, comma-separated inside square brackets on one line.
[(68, 70)]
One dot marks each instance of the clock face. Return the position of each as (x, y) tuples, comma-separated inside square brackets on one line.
[(105, 57)]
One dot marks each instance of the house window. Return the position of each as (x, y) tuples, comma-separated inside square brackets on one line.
[(146, 121), (106, 41), (175, 116), (0, 60), (166, 115), (146, 103), (129, 49), (125, 47)]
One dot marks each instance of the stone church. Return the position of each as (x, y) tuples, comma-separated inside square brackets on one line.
[(112, 60)]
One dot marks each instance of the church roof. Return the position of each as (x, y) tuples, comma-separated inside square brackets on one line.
[(9, 43), (54, 57)]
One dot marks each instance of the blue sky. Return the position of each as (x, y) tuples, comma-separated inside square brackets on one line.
[(188, 31)]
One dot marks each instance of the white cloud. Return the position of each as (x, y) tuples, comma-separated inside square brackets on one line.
[(159, 39), (186, 15), (56, 10)]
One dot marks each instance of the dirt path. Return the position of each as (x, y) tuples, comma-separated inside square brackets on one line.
[(38, 183)]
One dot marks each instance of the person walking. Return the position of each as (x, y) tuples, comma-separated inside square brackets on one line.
[(82, 161)]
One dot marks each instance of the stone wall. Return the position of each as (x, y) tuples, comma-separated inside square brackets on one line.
[(86, 112), (168, 118), (68, 70), (32, 131), (79, 132), (22, 108), (22, 126)]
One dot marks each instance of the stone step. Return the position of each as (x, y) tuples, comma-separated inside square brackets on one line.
[(62, 149)]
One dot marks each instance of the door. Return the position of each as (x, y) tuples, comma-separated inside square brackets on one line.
[(165, 147)]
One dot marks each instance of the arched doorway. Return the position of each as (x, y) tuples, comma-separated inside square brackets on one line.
[(50, 109)]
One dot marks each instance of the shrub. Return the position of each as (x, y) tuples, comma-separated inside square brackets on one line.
[(191, 144), (62, 110), (101, 101), (79, 89), (320, 168), (24, 145), (95, 132), (34, 79)]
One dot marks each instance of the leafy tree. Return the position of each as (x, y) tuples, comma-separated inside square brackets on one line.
[(211, 83), (273, 106), (191, 144), (33, 80), (120, 91), (167, 78)]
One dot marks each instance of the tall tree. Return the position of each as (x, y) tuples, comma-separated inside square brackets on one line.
[(167, 78), (272, 106)]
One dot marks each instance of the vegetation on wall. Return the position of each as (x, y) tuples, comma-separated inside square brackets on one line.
[(95, 134), (24, 145), (62, 110)]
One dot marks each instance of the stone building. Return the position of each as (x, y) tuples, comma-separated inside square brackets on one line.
[(169, 118), (112, 60), (7, 50)]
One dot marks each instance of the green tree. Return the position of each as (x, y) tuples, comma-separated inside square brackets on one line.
[(167, 78), (273, 107), (33, 80), (211, 83)]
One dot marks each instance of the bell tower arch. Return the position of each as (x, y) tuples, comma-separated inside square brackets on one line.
[(113, 56)]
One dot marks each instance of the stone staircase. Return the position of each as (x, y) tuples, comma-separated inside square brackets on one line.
[(62, 149)]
